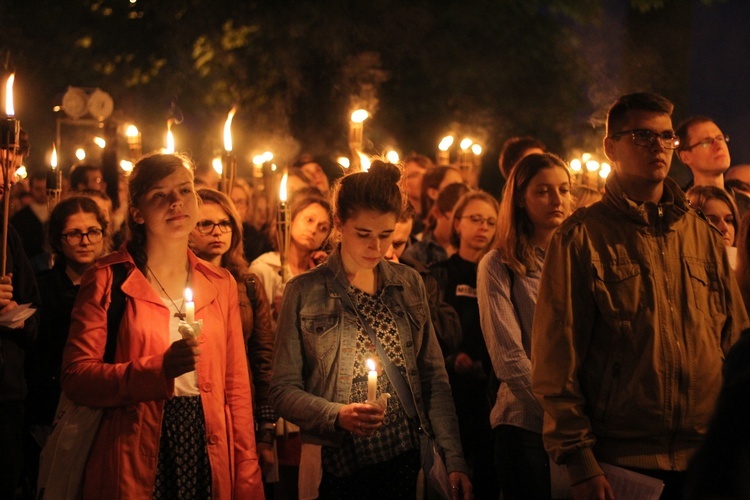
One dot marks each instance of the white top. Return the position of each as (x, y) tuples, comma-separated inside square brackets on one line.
[(268, 269)]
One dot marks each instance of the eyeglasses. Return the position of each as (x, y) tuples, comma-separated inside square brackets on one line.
[(207, 226), (479, 220), (708, 142), (645, 138), (75, 237)]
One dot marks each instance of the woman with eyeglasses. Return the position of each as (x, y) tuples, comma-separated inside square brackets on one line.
[(472, 233), (177, 412), (536, 200), (77, 235), (217, 238)]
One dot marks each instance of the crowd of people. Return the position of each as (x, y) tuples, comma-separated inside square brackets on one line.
[(548, 324)]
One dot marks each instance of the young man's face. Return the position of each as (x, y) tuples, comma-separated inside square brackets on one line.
[(711, 159), (640, 164)]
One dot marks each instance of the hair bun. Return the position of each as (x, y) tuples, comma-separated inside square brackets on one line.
[(386, 171)]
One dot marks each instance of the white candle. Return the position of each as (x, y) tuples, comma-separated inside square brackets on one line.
[(372, 381), (189, 307)]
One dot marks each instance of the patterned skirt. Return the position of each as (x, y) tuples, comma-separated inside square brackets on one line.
[(183, 470)]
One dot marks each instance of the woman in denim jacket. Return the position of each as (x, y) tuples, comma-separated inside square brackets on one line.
[(320, 379)]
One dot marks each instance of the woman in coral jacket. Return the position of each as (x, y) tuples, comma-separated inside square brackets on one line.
[(177, 412)]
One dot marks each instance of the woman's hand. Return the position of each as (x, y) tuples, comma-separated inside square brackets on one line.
[(6, 291), (181, 357), (461, 488), (463, 363), (360, 419)]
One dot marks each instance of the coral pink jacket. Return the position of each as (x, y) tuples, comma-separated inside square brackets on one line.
[(132, 391)]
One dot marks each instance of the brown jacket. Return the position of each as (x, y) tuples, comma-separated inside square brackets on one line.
[(637, 307)]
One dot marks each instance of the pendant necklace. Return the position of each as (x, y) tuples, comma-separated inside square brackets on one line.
[(179, 313)]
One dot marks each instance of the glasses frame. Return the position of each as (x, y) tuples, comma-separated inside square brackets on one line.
[(226, 223), (670, 143), (78, 236), (479, 220), (709, 141)]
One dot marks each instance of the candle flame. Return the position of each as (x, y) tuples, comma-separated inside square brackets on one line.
[(370, 365), (392, 156), (576, 165), (282, 188), (131, 131), (100, 142), (170, 138), (53, 157), (80, 154), (343, 161), (267, 156), (217, 165), (360, 115), (9, 109), (364, 160), (465, 143), (126, 166), (446, 143), (228, 130), (592, 165), (188, 295), (605, 170), (21, 172)]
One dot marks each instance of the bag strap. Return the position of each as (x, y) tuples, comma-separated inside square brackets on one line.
[(115, 311), (402, 387)]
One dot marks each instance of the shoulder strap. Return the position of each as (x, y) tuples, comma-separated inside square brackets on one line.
[(402, 387), (115, 311)]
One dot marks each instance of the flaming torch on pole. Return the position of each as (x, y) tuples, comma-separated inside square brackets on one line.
[(54, 181), (228, 160), (10, 134)]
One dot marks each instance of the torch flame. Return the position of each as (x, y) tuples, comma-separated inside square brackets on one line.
[(53, 158), (476, 149), (360, 115), (446, 143), (364, 160), (131, 131), (465, 144), (9, 109), (217, 165), (392, 156), (100, 142), (282, 188), (228, 130), (170, 138)]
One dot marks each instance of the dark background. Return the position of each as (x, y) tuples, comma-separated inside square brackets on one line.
[(296, 69)]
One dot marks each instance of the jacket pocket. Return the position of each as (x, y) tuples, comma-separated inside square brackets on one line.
[(319, 335), (704, 283), (617, 289)]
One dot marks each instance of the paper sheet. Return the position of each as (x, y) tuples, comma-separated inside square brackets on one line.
[(629, 484), (16, 317)]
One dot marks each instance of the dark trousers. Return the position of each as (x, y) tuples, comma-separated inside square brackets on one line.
[(391, 480), (522, 464), (11, 446)]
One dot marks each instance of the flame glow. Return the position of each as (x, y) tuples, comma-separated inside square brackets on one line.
[(392, 156), (131, 131), (80, 154), (9, 109), (170, 138), (370, 365), (476, 149), (228, 130), (360, 115), (282, 188), (53, 157), (100, 142), (217, 165), (465, 144), (592, 165), (126, 166), (188, 295), (343, 161), (446, 143), (576, 165), (364, 160)]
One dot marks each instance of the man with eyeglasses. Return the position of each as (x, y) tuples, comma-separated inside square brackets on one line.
[(637, 307), (704, 150)]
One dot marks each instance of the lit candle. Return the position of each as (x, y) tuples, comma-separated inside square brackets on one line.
[(372, 381), (189, 307), (444, 154)]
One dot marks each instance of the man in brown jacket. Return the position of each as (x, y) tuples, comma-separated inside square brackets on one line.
[(637, 307)]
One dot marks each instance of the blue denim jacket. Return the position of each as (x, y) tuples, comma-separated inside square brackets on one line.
[(315, 348)]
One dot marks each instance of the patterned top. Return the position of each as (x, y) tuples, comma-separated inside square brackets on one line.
[(398, 433)]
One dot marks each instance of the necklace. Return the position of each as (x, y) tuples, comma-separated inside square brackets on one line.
[(179, 313)]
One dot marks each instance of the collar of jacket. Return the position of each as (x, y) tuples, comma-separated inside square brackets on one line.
[(386, 273), (673, 204), (202, 275)]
